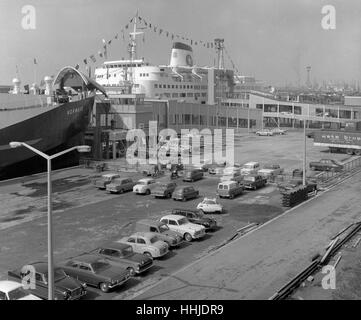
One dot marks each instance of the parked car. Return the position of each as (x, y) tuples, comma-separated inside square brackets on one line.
[(65, 287), (216, 170), (278, 131), (250, 168), (193, 175), (264, 132), (270, 170), (326, 165), (210, 205), (184, 193), (197, 217), (310, 134), (146, 243), (254, 181), (203, 167), (163, 190), (231, 169), (144, 186), (105, 180), (297, 173), (235, 176), (172, 238), (229, 189), (11, 290), (121, 185), (96, 271), (180, 224), (122, 254)]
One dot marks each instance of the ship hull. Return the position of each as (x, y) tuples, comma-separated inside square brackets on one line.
[(45, 131)]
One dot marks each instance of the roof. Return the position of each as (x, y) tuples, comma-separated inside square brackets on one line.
[(173, 216), (251, 163), (228, 182), (143, 234), (88, 82), (7, 285), (109, 175), (87, 258), (115, 245)]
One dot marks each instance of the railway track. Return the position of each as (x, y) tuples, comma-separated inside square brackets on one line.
[(315, 265)]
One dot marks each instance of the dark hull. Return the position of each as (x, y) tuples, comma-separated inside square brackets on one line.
[(47, 131)]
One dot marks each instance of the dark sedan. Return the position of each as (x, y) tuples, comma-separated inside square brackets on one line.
[(326, 165), (197, 217), (65, 287), (95, 271), (121, 254)]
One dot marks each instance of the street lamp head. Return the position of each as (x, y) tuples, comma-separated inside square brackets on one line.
[(15, 144), (83, 149)]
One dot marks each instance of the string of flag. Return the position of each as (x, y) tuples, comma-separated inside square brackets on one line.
[(103, 52)]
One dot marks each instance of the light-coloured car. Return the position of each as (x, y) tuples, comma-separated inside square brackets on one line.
[(278, 131), (144, 186), (231, 170), (120, 185), (264, 132), (105, 180), (210, 205), (11, 290), (146, 243), (250, 168), (180, 224), (270, 170), (235, 176)]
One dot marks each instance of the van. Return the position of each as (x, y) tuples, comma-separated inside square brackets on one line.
[(229, 189), (184, 193), (250, 168), (193, 175)]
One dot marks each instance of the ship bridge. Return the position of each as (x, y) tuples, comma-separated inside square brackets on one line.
[(71, 77)]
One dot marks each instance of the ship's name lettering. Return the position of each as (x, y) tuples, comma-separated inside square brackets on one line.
[(74, 110)]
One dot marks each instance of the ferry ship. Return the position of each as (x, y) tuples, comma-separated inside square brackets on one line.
[(45, 119), (180, 80)]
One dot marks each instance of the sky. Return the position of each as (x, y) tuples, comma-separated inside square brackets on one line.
[(272, 40)]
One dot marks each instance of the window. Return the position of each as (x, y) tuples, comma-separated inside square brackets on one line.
[(156, 85), (2, 296), (165, 221), (172, 222), (132, 240), (141, 241), (153, 229), (84, 267), (38, 277)]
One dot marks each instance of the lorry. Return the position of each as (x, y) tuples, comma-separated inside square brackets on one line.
[(346, 139)]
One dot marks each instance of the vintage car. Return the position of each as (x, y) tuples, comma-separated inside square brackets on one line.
[(294, 183), (193, 175), (210, 205), (146, 243), (121, 185), (270, 170), (254, 181), (11, 290), (65, 287), (105, 180), (163, 190), (264, 132), (235, 176), (197, 217), (229, 189), (123, 255), (160, 229), (184, 193), (96, 271), (231, 170), (144, 186), (326, 165), (278, 131), (180, 224), (216, 170), (250, 168)]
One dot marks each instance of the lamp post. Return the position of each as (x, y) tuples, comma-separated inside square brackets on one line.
[(50, 224), (304, 152)]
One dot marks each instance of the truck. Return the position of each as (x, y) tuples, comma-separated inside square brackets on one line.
[(347, 139)]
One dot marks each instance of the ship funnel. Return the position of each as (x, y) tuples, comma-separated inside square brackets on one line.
[(48, 85), (182, 55), (16, 88)]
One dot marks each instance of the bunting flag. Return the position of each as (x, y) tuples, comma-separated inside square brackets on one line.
[(93, 58), (126, 27), (109, 42), (85, 61), (116, 36), (35, 62), (77, 67), (100, 54)]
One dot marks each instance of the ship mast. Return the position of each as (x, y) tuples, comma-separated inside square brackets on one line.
[(133, 48)]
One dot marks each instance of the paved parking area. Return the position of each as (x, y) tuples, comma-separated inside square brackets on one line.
[(85, 217)]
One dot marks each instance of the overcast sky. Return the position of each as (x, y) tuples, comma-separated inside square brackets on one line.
[(273, 40)]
